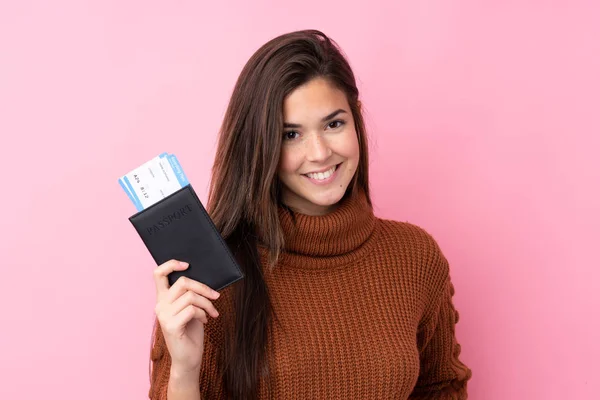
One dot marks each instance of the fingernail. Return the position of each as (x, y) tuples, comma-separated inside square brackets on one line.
[(217, 294), (183, 264)]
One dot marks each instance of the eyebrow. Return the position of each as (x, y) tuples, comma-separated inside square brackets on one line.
[(325, 119)]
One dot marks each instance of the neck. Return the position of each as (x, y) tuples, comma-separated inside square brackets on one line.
[(302, 206), (316, 211), (321, 241)]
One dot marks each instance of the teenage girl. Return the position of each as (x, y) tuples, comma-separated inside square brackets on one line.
[(336, 303)]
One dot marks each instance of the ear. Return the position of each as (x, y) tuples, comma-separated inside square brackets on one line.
[(359, 104)]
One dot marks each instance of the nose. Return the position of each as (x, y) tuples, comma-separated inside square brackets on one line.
[(317, 148)]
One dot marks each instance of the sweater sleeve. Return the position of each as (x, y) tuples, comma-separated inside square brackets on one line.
[(442, 375), (210, 387), (161, 365)]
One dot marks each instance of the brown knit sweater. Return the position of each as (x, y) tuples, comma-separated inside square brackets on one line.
[(364, 309)]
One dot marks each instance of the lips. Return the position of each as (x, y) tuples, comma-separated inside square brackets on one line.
[(324, 175)]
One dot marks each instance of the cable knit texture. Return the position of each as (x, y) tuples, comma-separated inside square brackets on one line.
[(364, 308)]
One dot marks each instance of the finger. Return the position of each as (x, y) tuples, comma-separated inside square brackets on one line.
[(186, 315), (194, 299), (160, 274), (183, 284)]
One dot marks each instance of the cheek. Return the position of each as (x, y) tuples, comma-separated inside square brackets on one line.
[(288, 162), (351, 148), (352, 167), (352, 153)]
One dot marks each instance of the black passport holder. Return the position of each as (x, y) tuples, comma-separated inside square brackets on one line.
[(178, 227)]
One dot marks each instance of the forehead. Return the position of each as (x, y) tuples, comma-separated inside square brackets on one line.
[(313, 101)]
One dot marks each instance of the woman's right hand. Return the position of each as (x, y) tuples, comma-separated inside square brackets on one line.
[(182, 310)]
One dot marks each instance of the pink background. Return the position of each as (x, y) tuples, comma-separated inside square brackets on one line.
[(485, 131)]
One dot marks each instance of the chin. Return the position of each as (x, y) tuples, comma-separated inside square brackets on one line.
[(326, 199), (301, 196)]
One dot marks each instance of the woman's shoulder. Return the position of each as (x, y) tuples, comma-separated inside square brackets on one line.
[(407, 233), (414, 242)]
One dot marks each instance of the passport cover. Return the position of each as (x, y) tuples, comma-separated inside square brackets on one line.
[(178, 227)]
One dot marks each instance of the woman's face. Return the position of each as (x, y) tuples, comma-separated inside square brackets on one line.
[(320, 152)]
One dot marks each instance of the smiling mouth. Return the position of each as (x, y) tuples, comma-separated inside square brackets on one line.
[(321, 176)]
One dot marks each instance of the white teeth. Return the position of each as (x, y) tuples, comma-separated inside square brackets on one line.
[(322, 175)]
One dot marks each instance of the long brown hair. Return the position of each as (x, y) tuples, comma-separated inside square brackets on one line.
[(245, 191)]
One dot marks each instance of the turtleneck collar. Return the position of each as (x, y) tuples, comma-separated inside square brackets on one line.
[(326, 241)]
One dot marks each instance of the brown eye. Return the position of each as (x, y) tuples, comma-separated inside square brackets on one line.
[(336, 124), (289, 135)]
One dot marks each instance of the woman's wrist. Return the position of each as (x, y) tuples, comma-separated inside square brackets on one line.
[(182, 379)]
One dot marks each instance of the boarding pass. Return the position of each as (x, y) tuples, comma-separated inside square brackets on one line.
[(153, 180)]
